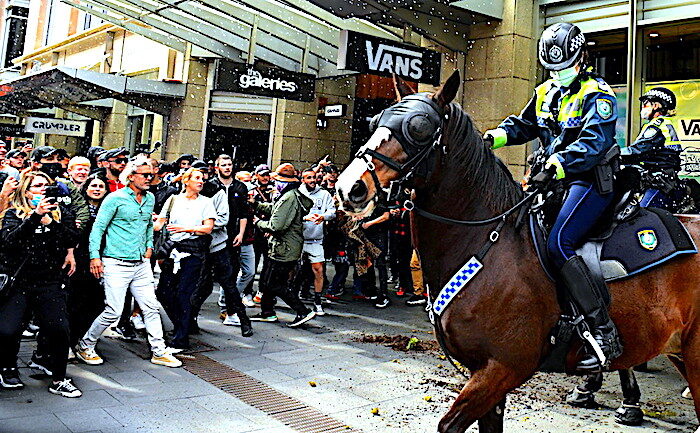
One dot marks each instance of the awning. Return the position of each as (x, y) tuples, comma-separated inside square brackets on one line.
[(444, 21), (292, 34), (70, 89)]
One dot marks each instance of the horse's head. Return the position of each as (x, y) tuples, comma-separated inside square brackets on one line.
[(403, 137)]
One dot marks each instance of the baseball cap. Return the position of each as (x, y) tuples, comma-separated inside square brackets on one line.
[(42, 152), (14, 153), (200, 165), (113, 153), (262, 169)]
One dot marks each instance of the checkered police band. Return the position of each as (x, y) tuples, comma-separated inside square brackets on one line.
[(661, 94)]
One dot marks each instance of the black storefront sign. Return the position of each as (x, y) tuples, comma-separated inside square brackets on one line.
[(264, 81), (370, 54), (12, 130)]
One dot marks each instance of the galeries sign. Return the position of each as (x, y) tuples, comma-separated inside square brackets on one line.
[(370, 54), (263, 81), (42, 125)]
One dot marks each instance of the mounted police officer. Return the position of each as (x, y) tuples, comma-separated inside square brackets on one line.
[(657, 150), (573, 114)]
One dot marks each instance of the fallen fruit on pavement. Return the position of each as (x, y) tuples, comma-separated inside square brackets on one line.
[(375, 411), (428, 398), (312, 383)]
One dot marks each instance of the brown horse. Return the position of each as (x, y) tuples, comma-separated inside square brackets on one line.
[(498, 325)]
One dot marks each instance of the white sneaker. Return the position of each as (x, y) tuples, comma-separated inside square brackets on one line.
[(166, 359), (248, 301), (257, 298), (232, 320), (173, 350), (319, 310), (687, 394), (138, 322), (71, 354)]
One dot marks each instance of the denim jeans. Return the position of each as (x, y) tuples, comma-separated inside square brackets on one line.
[(137, 277), (247, 267)]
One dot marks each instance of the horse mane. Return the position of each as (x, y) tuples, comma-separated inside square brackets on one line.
[(474, 165)]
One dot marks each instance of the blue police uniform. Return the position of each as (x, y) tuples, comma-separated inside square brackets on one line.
[(576, 126), (657, 149)]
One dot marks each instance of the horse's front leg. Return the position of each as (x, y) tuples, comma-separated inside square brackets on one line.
[(630, 413), (481, 399)]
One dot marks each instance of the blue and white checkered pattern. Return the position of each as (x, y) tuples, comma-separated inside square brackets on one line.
[(456, 283)]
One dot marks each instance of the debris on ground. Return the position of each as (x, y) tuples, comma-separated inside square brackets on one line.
[(401, 343)]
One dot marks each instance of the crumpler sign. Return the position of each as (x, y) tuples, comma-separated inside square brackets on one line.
[(41, 125), (263, 81), (373, 55)]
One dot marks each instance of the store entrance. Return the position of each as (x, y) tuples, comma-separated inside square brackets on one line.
[(247, 145)]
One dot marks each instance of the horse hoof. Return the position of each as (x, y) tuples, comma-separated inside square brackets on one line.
[(629, 415), (584, 399)]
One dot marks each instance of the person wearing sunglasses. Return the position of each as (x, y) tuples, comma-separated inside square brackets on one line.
[(125, 223), (116, 160)]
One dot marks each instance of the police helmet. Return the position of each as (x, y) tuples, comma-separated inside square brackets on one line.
[(561, 46), (662, 95)]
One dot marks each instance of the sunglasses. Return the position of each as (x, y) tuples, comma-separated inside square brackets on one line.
[(120, 160), (146, 175)]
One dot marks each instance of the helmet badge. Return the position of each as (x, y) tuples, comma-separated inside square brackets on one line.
[(555, 54)]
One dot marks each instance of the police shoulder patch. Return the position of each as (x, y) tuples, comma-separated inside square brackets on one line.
[(604, 108), (649, 132)]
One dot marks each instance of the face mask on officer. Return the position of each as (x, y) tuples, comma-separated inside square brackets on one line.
[(566, 76), (648, 110)]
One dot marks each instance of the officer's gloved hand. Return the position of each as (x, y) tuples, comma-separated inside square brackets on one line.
[(543, 179), (496, 138)]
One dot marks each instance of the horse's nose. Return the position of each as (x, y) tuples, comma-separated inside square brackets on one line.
[(358, 192)]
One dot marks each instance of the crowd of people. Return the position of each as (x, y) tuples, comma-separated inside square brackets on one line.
[(85, 236)]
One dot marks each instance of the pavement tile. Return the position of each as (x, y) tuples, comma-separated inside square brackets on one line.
[(47, 423), (328, 399), (138, 394), (79, 421), (136, 377), (269, 375)]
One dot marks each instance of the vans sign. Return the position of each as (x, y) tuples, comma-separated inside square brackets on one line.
[(42, 125), (263, 81), (373, 55)]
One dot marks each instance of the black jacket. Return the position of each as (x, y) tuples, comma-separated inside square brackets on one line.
[(46, 245), (238, 206)]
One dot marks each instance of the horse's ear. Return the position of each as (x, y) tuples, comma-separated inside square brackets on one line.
[(448, 91), (402, 89)]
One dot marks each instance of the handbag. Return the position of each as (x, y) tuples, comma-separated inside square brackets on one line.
[(7, 280), (164, 243)]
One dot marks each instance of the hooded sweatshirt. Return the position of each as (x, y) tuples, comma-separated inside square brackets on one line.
[(322, 205)]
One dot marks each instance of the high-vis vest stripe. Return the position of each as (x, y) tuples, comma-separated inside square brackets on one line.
[(665, 124), (571, 107)]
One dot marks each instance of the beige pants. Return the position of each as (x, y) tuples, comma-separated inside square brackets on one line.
[(417, 274)]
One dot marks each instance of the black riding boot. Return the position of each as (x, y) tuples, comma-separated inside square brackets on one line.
[(589, 295)]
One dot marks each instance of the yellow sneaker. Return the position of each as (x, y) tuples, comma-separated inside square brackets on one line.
[(166, 359), (88, 356)]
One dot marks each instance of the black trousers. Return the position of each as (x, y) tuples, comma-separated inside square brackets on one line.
[(221, 267), (277, 277), (47, 300), (401, 252), (175, 292)]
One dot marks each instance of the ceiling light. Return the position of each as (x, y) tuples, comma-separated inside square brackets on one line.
[(653, 35), (591, 43)]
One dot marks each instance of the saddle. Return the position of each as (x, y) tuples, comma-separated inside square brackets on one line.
[(630, 241)]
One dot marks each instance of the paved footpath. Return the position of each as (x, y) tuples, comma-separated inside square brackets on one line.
[(324, 370)]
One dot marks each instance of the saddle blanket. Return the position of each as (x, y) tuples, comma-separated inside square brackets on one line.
[(647, 239)]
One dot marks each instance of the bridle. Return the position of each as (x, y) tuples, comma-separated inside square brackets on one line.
[(420, 150)]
